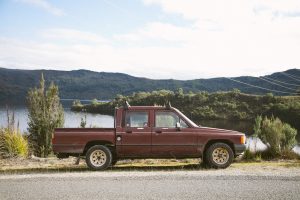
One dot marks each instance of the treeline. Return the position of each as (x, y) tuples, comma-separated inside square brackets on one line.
[(232, 105), (78, 84)]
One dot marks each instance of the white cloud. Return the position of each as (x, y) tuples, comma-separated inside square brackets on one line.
[(45, 5), (160, 31), (223, 38)]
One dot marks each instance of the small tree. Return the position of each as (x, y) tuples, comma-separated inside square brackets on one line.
[(83, 122), (77, 102), (45, 113), (179, 93), (94, 102)]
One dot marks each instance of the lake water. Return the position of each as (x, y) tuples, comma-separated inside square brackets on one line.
[(73, 119)]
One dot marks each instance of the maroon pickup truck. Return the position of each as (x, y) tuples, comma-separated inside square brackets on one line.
[(149, 132)]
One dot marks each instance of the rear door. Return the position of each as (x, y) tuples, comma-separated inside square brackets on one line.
[(134, 137), (169, 141)]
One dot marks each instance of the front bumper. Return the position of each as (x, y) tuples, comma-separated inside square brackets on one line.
[(239, 149)]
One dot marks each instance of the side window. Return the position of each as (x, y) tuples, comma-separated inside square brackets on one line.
[(183, 124), (168, 120), (136, 119)]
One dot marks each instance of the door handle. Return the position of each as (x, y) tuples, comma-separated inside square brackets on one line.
[(128, 131), (158, 131)]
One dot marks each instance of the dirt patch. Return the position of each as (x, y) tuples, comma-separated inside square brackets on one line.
[(35, 163)]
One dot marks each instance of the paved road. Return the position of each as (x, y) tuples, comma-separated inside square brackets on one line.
[(149, 185)]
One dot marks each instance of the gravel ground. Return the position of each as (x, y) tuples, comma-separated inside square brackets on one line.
[(147, 179), (201, 184)]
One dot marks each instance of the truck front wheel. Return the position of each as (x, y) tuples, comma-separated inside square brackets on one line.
[(98, 157), (219, 155)]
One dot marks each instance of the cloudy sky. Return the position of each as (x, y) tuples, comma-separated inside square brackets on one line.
[(182, 39)]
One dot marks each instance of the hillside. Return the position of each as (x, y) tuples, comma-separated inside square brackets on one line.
[(84, 84)]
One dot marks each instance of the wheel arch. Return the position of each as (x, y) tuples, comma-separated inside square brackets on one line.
[(99, 142)]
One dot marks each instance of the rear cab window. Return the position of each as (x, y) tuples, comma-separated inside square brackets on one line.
[(136, 119)]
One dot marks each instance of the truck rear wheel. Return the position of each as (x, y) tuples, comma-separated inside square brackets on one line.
[(219, 155), (98, 157)]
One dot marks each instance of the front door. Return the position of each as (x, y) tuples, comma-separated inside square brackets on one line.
[(170, 141), (134, 137)]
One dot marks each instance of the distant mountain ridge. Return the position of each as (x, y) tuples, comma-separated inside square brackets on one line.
[(84, 84)]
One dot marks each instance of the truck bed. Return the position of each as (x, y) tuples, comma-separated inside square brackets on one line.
[(74, 140)]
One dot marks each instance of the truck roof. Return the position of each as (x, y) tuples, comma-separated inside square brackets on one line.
[(146, 108), (127, 106)]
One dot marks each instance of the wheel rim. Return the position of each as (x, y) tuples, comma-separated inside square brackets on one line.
[(98, 158), (220, 155)]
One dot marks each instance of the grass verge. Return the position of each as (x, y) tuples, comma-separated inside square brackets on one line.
[(53, 165)]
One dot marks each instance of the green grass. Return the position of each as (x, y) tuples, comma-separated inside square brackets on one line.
[(269, 156)]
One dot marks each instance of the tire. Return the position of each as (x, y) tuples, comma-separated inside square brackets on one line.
[(204, 161), (98, 157), (113, 162), (219, 156)]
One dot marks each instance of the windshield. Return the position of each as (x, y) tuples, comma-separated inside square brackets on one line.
[(186, 118)]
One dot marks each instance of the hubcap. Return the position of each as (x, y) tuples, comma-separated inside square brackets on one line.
[(220, 156), (98, 158)]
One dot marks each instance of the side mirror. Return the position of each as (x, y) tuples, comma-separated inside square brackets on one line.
[(178, 126)]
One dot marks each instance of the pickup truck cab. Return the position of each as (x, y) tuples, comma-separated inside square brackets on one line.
[(149, 132)]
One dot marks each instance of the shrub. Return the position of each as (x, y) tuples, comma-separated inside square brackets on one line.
[(288, 154), (288, 139), (278, 136), (251, 156), (257, 130), (12, 143), (271, 134)]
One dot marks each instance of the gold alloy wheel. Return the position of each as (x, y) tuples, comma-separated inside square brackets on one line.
[(98, 158), (220, 156)]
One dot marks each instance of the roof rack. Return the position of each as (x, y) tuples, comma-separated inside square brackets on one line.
[(168, 106), (126, 105)]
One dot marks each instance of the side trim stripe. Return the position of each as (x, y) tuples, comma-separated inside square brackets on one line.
[(200, 145)]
